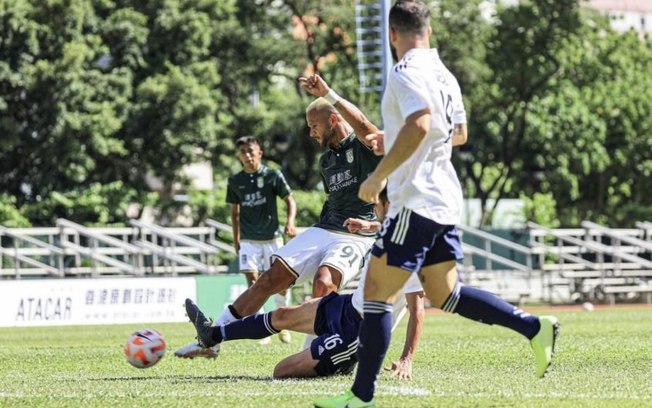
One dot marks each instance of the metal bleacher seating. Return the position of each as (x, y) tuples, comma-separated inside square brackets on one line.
[(72, 250), (594, 263), (591, 263)]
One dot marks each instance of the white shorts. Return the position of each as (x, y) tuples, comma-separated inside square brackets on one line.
[(315, 247), (255, 256)]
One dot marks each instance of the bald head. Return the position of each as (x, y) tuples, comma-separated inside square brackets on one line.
[(321, 106)]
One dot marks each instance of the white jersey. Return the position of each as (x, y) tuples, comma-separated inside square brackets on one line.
[(426, 182), (357, 300)]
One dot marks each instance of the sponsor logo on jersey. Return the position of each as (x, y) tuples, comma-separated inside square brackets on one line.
[(341, 180), (349, 155), (253, 199)]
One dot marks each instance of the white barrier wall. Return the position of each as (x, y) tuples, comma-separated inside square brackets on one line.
[(53, 302)]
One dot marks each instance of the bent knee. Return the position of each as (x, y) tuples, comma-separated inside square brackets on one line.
[(275, 280), (283, 371)]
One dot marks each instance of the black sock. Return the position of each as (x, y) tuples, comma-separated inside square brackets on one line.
[(234, 313)]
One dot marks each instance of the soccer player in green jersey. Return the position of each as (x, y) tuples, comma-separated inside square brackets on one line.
[(327, 253), (252, 194), (254, 217)]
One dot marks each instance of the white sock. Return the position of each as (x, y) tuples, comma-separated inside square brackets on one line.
[(307, 341), (225, 317)]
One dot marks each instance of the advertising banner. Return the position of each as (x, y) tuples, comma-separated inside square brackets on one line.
[(49, 302)]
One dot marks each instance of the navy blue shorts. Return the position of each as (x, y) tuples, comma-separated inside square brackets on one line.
[(412, 241), (336, 326)]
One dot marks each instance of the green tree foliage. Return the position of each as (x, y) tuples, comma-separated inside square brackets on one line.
[(10, 216), (95, 95), (522, 55), (589, 132), (98, 204)]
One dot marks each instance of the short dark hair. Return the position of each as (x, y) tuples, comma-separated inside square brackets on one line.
[(409, 17), (244, 140)]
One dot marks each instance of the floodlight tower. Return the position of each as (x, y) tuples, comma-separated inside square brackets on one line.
[(373, 52)]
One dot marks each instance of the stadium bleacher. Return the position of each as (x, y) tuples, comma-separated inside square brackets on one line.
[(593, 263)]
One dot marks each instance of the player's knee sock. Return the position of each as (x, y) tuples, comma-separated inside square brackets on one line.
[(256, 326), (228, 315), (482, 306), (375, 333)]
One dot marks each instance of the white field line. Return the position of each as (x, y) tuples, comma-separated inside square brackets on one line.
[(326, 390)]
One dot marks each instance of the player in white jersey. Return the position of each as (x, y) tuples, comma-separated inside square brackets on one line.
[(419, 235), (334, 319)]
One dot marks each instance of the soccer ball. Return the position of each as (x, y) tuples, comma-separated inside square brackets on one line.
[(144, 348)]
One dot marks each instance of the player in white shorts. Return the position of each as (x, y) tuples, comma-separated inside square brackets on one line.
[(326, 253), (419, 236)]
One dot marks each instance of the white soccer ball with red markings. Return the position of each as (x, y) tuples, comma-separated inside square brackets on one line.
[(145, 348)]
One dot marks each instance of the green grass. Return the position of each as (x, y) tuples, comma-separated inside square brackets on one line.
[(604, 358)]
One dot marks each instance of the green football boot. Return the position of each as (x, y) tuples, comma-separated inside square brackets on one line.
[(346, 400), (543, 343)]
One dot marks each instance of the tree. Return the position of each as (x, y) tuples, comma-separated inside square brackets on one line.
[(522, 54), (595, 130)]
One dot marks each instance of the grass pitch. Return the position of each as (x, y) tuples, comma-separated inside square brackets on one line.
[(604, 358)]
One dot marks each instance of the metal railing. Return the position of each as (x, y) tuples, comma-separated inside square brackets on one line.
[(580, 261), (71, 249), (505, 277), (27, 250), (101, 250), (171, 249), (589, 260)]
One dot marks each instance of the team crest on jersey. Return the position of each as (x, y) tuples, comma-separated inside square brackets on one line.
[(261, 182), (349, 155)]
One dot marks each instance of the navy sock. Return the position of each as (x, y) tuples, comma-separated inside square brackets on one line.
[(375, 334), (256, 326), (482, 306)]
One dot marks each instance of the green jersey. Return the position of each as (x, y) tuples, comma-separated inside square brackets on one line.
[(342, 172), (256, 193)]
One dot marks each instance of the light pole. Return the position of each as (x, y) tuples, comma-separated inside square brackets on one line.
[(465, 153)]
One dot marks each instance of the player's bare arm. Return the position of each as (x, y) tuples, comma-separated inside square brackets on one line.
[(290, 228), (358, 121), (235, 225), (402, 368), (407, 142), (460, 134), (377, 142), (355, 224)]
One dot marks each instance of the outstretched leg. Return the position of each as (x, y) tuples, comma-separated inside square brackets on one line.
[(298, 318), (441, 284)]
